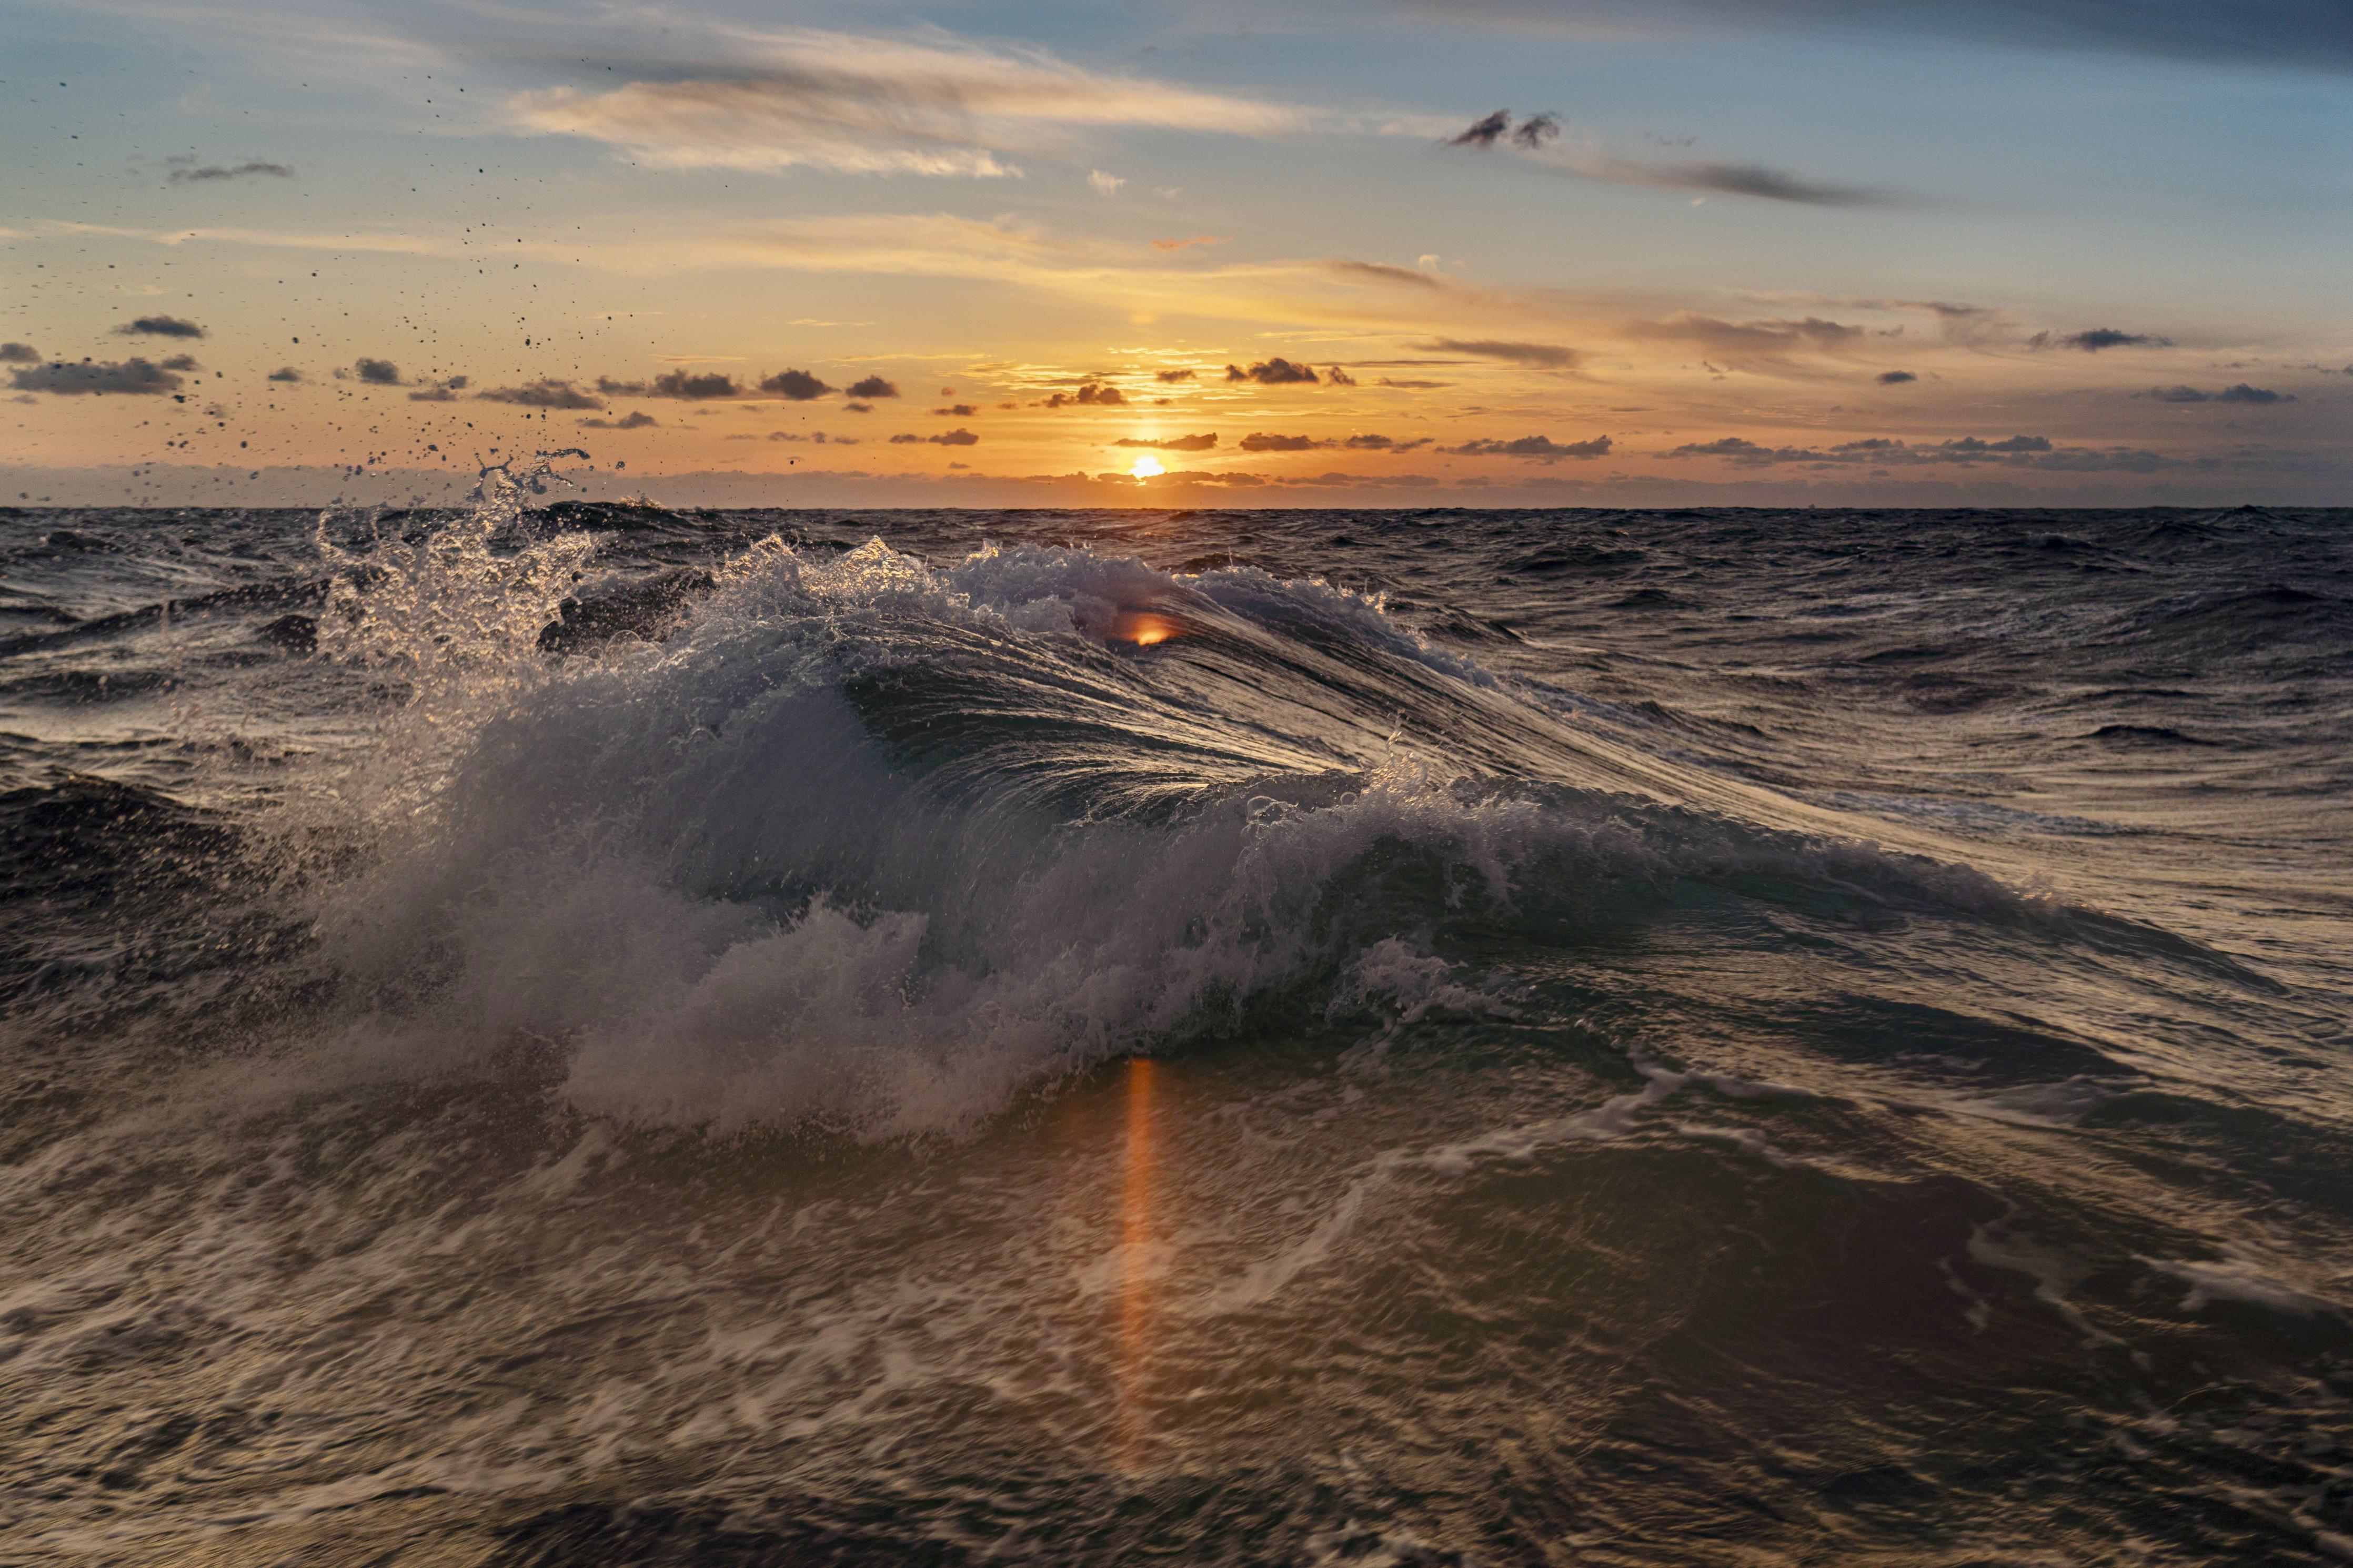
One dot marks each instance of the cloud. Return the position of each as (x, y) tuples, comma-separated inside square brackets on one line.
[(67, 380), (1171, 376), (1104, 184), (285, 372), (678, 383), (545, 393), (636, 419), (874, 386), (2299, 33), (924, 105), (1896, 377), (26, 353), (1484, 132), (945, 438), (1883, 452), (2093, 341), (797, 385), (1188, 241), (160, 326), (1275, 371), (181, 361), (1384, 444), (375, 372), (187, 174), (1338, 376), (1263, 443), (1538, 140), (1094, 392), (1403, 385), (1170, 444), (1773, 345), (2241, 393), (1382, 272), (1542, 447), (1550, 355), (816, 437)]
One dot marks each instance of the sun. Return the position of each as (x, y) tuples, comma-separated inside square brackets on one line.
[(1147, 466)]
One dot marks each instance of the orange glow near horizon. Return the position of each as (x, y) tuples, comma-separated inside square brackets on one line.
[(1148, 466), (1135, 1240)]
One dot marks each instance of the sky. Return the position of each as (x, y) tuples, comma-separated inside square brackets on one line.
[(1289, 252)]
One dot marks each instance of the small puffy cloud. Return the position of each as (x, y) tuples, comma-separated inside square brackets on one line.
[(817, 437), (1484, 132), (1257, 442), (135, 376), (19, 354), (376, 372), (958, 411), (1091, 391), (799, 385), (1277, 372), (873, 386), (2241, 393), (160, 326), (678, 383), (181, 361), (1104, 183), (1896, 377), (546, 392), (1171, 442), (1384, 444), (1338, 377), (1171, 376), (945, 438), (1551, 356), (636, 419), (285, 372), (860, 407), (1542, 447), (2094, 339), (185, 171)]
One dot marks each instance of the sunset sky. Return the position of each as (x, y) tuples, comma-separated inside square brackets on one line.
[(1480, 252)]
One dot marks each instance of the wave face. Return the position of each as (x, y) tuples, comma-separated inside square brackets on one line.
[(602, 1034)]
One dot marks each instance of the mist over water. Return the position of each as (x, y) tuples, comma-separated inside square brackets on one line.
[(569, 1034)]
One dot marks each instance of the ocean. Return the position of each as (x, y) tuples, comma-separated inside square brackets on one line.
[(553, 1032)]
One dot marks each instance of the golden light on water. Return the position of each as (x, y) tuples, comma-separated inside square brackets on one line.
[(1136, 1238), (1147, 466)]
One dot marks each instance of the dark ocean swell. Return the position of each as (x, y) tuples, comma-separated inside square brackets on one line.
[(606, 1034)]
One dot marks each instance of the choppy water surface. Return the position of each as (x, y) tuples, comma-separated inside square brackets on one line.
[(597, 1035)]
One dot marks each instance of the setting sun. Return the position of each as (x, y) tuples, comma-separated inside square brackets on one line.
[(1147, 466)]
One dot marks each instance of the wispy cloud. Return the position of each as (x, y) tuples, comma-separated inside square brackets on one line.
[(2240, 393), (1551, 356), (1539, 139), (927, 104), (1962, 451), (2303, 33), (187, 170), (1170, 443), (2096, 339)]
